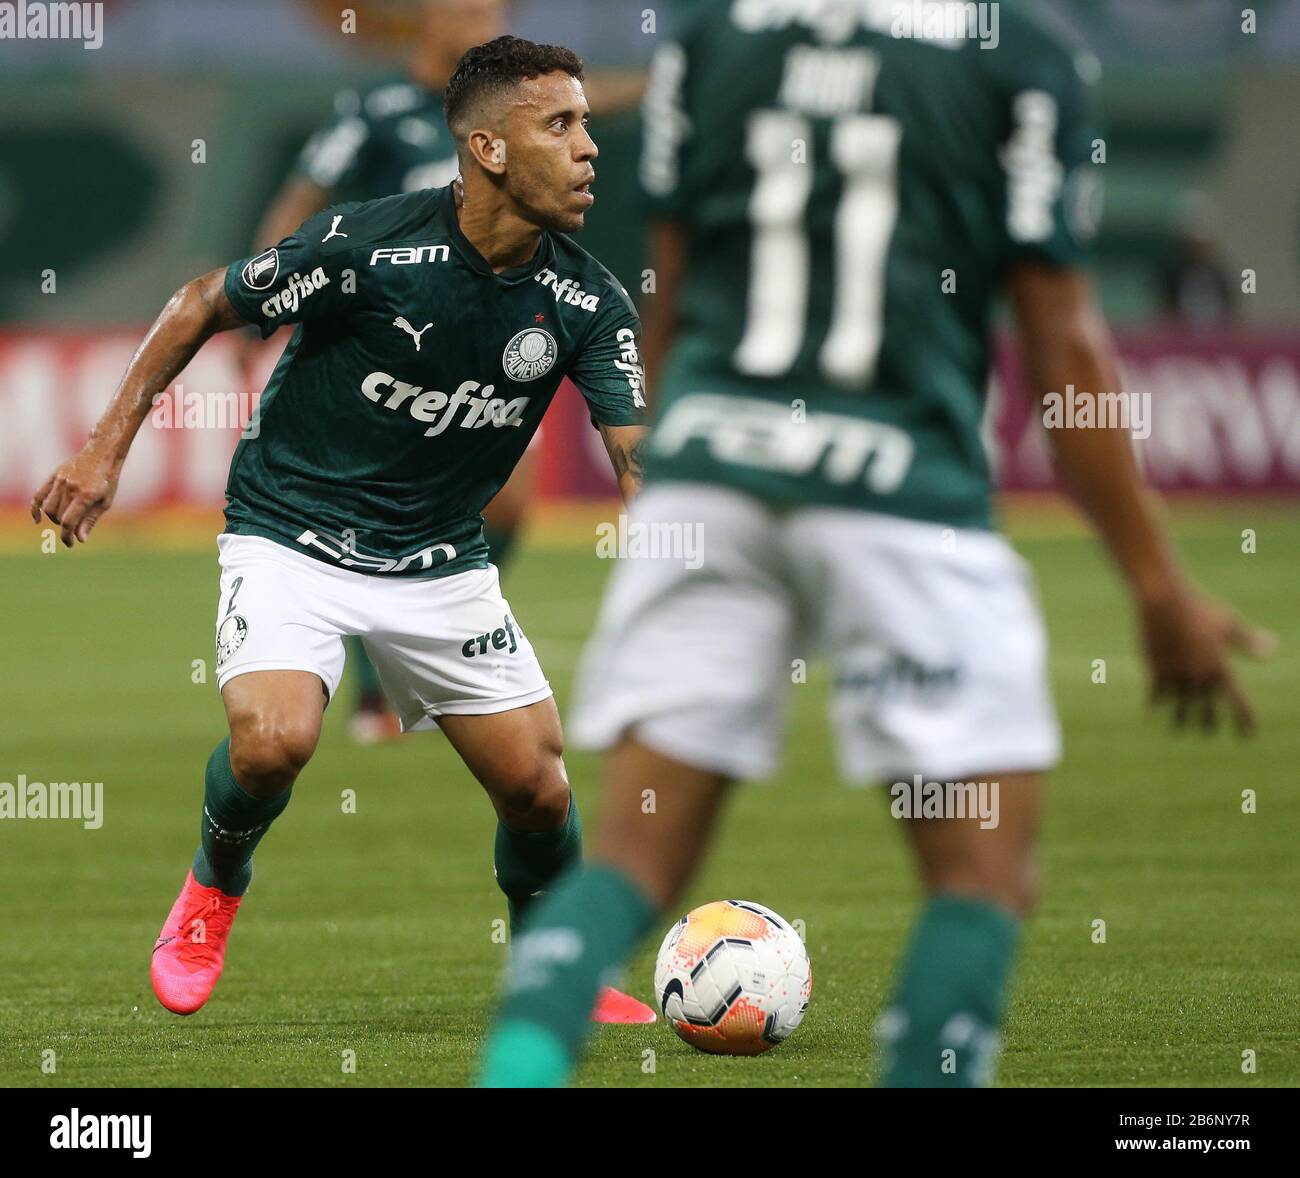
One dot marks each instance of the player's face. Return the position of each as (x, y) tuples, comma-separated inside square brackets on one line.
[(549, 153)]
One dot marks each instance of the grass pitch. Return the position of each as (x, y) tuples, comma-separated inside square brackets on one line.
[(373, 933)]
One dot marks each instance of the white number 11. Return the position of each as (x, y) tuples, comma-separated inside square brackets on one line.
[(864, 150)]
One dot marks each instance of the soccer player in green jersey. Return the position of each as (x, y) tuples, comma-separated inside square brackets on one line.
[(838, 198), (393, 138), (433, 330)]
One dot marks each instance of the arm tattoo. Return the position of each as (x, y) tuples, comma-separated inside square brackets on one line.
[(203, 294), (627, 461)]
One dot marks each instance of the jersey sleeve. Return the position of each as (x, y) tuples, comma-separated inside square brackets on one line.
[(303, 277), (1052, 202), (608, 370), (334, 157)]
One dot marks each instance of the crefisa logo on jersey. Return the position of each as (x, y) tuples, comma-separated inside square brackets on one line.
[(529, 354), (260, 271), (296, 288), (567, 291)]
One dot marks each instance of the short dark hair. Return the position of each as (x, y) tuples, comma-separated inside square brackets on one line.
[(496, 66)]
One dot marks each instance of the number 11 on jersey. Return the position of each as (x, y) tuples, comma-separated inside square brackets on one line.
[(864, 151)]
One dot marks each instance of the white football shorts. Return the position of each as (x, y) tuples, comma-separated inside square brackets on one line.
[(441, 645), (933, 635)]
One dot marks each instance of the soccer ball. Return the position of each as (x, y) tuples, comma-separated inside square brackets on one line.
[(733, 978)]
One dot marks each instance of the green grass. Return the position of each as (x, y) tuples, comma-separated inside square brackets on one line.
[(373, 932)]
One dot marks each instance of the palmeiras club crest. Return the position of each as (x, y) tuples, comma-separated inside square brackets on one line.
[(529, 354), (230, 637)]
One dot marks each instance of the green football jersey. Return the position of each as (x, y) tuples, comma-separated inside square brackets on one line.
[(414, 381), (852, 197), (392, 138)]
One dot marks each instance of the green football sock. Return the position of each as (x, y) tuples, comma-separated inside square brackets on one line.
[(524, 1055), (233, 824), (501, 544), (942, 1029), (526, 861), (576, 937), (369, 686)]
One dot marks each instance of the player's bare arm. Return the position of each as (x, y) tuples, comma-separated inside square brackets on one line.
[(82, 489), (660, 316), (624, 444), (1188, 636)]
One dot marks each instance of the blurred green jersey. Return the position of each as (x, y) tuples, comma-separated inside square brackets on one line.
[(854, 178), (388, 139)]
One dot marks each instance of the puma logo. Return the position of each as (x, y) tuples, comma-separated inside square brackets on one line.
[(401, 322), (334, 230)]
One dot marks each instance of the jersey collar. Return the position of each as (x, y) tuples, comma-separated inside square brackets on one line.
[(544, 256)]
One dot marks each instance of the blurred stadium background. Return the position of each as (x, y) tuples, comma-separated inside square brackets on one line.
[(103, 213), (98, 188)]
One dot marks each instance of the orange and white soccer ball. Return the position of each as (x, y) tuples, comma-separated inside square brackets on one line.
[(733, 978)]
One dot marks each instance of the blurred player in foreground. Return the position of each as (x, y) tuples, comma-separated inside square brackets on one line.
[(838, 208), (393, 138), (434, 328)]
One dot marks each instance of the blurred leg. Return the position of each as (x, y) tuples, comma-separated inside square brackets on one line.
[(943, 1025), (685, 707), (657, 818), (957, 855)]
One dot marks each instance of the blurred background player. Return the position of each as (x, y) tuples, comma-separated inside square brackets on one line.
[(838, 208), (393, 138)]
